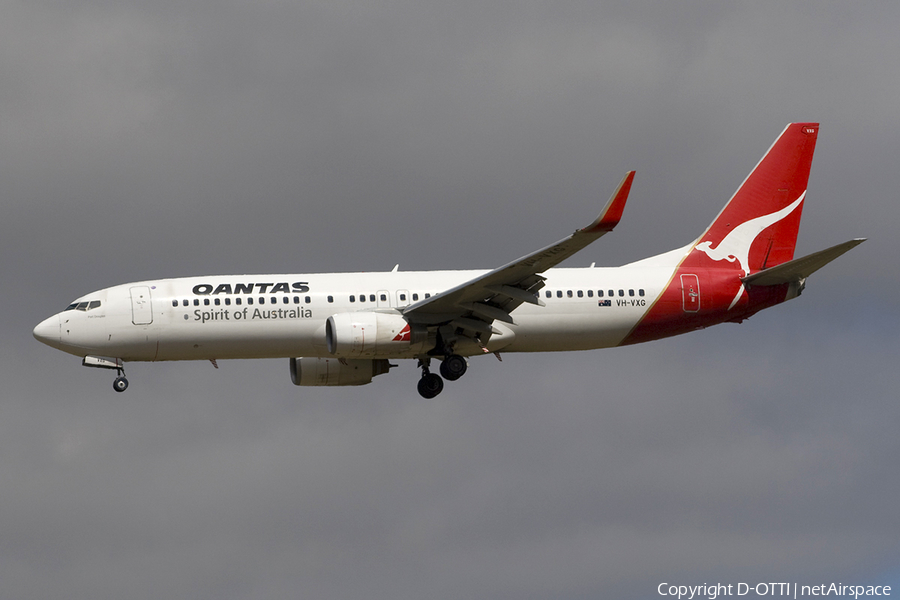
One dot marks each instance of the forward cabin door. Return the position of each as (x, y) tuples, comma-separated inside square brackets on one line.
[(690, 293), (141, 309)]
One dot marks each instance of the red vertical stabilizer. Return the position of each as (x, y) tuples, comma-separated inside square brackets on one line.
[(758, 227), (756, 230)]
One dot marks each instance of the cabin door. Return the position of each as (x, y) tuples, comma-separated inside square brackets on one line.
[(141, 309), (690, 293)]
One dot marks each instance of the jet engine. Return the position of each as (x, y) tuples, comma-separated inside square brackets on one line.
[(336, 371), (372, 334)]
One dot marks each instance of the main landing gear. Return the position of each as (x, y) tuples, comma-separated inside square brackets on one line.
[(452, 368)]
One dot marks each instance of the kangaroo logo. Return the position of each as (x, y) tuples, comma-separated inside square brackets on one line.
[(736, 245), (404, 335)]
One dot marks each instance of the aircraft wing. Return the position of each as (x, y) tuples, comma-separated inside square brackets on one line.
[(473, 305)]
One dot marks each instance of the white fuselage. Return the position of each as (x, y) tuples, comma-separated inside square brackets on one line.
[(241, 317)]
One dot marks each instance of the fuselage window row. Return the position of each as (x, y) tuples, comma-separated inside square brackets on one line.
[(353, 298), (218, 301), (590, 293)]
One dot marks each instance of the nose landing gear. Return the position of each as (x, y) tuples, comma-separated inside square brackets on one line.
[(120, 384), (101, 362)]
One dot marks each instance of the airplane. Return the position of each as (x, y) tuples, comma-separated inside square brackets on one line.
[(342, 329)]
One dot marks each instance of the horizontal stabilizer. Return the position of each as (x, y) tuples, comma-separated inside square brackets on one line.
[(800, 268)]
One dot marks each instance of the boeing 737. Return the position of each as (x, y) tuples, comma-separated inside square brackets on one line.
[(345, 328)]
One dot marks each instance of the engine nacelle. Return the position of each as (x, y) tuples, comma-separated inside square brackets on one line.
[(336, 371), (372, 334)]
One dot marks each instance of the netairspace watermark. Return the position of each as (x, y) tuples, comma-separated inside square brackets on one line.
[(793, 590)]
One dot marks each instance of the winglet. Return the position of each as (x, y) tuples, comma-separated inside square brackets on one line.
[(612, 213)]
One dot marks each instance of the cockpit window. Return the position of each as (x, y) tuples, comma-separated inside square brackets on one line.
[(83, 306)]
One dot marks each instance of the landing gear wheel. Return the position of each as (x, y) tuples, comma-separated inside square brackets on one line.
[(430, 385), (120, 384), (453, 367)]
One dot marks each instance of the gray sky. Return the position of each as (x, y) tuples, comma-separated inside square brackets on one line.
[(143, 140)]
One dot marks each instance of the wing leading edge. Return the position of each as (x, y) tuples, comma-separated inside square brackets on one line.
[(475, 304)]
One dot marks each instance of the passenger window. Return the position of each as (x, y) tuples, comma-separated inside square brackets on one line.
[(362, 297), (621, 292), (612, 293), (352, 298), (599, 293), (427, 295), (174, 302), (218, 302), (640, 292), (548, 294), (384, 297), (196, 302), (238, 301), (415, 297), (331, 298), (206, 302), (580, 294), (308, 299), (249, 300), (631, 292), (185, 302), (227, 301), (590, 293), (402, 297), (273, 300), (569, 293), (285, 299), (296, 299), (371, 297)]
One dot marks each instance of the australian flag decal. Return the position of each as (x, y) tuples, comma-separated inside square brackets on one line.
[(604, 303)]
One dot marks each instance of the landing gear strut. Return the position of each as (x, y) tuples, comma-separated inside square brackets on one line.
[(431, 384), (120, 384)]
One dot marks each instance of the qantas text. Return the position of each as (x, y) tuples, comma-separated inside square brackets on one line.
[(205, 289)]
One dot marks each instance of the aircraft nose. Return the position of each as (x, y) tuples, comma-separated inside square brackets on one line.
[(47, 331)]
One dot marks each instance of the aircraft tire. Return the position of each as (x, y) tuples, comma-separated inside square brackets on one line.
[(453, 367), (430, 385), (120, 384)]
